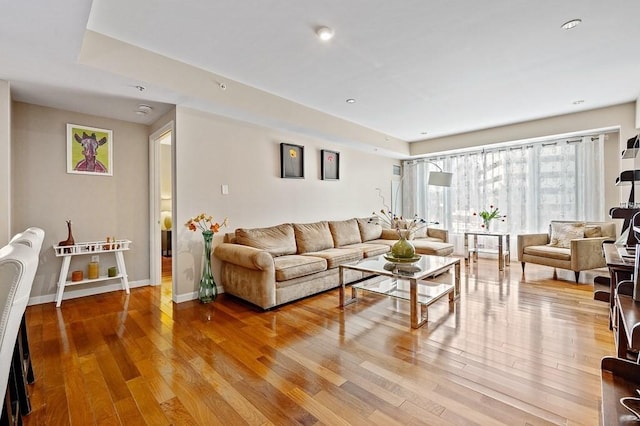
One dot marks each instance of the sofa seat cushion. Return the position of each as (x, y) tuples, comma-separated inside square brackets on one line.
[(548, 251), (338, 256), (370, 250), (434, 248), (277, 240), (433, 239), (382, 241), (345, 232), (312, 237), (295, 266)]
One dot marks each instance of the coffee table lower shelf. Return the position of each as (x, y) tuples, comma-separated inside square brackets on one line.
[(427, 293), (415, 288)]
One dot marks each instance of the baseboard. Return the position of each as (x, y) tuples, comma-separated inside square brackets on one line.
[(73, 293), (191, 296), (186, 297)]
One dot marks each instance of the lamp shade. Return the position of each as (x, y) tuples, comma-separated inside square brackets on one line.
[(440, 178)]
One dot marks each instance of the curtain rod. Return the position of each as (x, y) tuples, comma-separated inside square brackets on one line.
[(517, 145)]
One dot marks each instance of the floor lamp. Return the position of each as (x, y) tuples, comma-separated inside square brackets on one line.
[(439, 178)]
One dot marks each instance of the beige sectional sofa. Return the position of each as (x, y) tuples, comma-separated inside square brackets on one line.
[(279, 264), (575, 254)]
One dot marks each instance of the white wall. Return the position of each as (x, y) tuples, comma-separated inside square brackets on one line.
[(45, 195), (5, 162), (211, 151)]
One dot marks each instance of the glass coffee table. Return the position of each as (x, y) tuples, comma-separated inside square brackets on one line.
[(407, 281)]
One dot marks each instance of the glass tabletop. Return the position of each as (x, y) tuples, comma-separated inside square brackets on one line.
[(482, 232), (425, 267)]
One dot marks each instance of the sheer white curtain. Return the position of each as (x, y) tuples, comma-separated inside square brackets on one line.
[(530, 183)]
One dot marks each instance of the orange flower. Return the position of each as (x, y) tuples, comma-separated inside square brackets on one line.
[(204, 222)]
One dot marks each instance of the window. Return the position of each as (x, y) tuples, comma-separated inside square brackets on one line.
[(532, 184)]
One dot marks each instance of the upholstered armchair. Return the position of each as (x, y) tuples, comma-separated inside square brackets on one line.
[(571, 245)]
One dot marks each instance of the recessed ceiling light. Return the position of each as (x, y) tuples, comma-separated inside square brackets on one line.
[(351, 101), (324, 33), (571, 24), (578, 102)]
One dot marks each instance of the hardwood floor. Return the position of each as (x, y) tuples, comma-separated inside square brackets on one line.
[(508, 352)]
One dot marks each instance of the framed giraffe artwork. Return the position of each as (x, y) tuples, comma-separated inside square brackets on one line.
[(89, 150)]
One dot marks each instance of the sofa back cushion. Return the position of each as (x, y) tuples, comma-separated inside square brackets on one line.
[(278, 240), (345, 232), (370, 229), (563, 232), (607, 229), (312, 236)]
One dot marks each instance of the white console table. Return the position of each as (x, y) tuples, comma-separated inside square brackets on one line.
[(91, 248)]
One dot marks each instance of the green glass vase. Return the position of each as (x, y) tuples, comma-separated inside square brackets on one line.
[(208, 289), (403, 249), (487, 225)]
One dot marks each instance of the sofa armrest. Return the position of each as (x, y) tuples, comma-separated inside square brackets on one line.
[(245, 256), (526, 240), (442, 234), (586, 253)]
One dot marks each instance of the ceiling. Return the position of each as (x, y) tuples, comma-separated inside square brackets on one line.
[(416, 69)]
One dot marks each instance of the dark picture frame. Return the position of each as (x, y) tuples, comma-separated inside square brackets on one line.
[(291, 161), (330, 164)]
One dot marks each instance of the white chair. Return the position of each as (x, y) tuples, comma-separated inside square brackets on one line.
[(32, 237), (18, 265)]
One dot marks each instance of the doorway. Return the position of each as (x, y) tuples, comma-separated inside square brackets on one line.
[(161, 170)]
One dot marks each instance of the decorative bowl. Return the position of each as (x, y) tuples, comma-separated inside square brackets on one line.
[(394, 259)]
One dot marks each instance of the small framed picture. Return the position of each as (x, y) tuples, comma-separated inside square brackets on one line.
[(291, 161), (89, 150), (330, 165)]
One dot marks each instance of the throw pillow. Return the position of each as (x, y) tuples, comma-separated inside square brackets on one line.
[(592, 231), (563, 232)]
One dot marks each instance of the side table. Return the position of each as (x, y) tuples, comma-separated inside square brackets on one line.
[(91, 248), (504, 247)]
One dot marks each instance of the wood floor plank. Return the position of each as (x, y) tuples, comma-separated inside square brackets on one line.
[(80, 410), (128, 412), (245, 409), (97, 391), (177, 413), (147, 404), (513, 350)]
